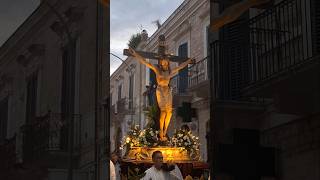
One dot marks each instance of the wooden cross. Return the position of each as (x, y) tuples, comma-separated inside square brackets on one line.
[(161, 53)]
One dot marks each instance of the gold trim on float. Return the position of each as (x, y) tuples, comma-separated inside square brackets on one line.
[(173, 154)]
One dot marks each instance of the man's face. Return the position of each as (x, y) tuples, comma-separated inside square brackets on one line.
[(164, 64), (158, 160)]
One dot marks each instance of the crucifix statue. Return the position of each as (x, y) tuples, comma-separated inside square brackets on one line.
[(163, 77)]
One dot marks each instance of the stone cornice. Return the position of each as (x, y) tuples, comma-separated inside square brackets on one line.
[(33, 51)]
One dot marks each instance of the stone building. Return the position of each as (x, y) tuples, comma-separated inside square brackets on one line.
[(128, 103), (265, 69), (53, 73), (186, 32)]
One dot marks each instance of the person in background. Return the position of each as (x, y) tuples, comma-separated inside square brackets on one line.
[(116, 163)]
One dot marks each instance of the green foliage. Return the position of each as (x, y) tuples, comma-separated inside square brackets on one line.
[(134, 40), (153, 115)]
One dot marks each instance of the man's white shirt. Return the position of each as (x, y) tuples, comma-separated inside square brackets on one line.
[(155, 174)]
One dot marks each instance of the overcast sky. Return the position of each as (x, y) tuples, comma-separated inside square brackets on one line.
[(12, 15), (131, 16)]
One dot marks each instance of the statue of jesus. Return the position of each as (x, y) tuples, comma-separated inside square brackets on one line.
[(163, 91)]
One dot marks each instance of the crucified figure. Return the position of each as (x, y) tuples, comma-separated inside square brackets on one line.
[(163, 91), (233, 12)]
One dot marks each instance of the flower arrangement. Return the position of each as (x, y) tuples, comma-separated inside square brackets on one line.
[(148, 138), (184, 138), (141, 138), (132, 139)]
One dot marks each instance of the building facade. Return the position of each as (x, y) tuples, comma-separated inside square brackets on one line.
[(49, 108), (265, 72)]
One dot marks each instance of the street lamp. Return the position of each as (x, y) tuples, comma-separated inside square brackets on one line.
[(120, 60)]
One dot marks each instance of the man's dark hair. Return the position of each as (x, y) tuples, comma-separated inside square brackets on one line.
[(155, 152)]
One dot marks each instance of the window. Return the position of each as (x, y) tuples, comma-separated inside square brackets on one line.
[(131, 83), (183, 74), (3, 118), (31, 105), (119, 91), (68, 80)]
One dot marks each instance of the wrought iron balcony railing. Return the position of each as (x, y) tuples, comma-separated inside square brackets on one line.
[(125, 106), (50, 133), (197, 73), (280, 39)]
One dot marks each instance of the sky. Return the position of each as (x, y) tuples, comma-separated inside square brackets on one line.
[(12, 14), (129, 17)]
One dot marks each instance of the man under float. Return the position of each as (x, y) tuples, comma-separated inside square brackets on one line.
[(159, 171)]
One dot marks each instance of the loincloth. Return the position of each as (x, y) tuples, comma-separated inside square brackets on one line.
[(164, 97)]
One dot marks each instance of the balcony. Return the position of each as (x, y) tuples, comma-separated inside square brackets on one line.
[(197, 79), (280, 44), (281, 41), (125, 106), (49, 137)]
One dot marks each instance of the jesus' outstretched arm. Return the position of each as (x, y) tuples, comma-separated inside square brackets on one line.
[(181, 66), (143, 60), (233, 12)]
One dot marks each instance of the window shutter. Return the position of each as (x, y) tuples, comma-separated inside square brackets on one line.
[(183, 74), (234, 67)]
